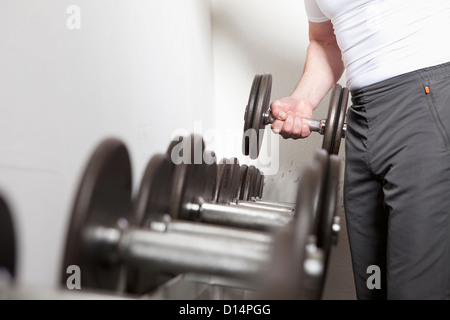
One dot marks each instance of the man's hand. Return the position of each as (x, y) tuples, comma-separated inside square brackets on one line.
[(289, 112)]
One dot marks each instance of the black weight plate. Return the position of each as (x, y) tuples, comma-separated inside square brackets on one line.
[(103, 200), (242, 174), (223, 173), (210, 161), (153, 198), (8, 248), (261, 107), (228, 180), (332, 119), (254, 184), (303, 223), (341, 120), (151, 204), (320, 158), (220, 170), (313, 285), (258, 185), (189, 180), (325, 238), (235, 178), (248, 115), (287, 278), (248, 186), (261, 185), (174, 147)]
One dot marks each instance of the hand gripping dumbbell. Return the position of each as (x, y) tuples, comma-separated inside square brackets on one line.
[(258, 115), (105, 239)]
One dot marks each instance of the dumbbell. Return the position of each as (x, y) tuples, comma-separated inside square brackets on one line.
[(250, 188), (325, 227), (258, 115), (251, 181), (195, 187), (225, 192), (10, 289), (7, 242), (238, 187), (189, 204), (215, 194), (235, 184), (101, 237), (104, 238), (153, 203)]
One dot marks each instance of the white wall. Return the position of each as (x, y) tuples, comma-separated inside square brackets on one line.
[(270, 36), (137, 69)]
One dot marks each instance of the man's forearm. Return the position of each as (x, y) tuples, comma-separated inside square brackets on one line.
[(323, 68)]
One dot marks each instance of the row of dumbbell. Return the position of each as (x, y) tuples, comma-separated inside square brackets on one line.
[(152, 231), (150, 238), (221, 192)]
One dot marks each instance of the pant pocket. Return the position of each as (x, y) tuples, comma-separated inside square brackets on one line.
[(438, 97)]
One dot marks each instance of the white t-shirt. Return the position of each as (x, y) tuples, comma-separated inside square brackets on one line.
[(380, 39)]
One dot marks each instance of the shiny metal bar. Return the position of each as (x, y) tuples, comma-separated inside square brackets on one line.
[(205, 229), (274, 203), (266, 206), (245, 217), (314, 125), (176, 252)]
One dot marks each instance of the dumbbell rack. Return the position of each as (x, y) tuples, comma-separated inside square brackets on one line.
[(157, 247), (113, 240)]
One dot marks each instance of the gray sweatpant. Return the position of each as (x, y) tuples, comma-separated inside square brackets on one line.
[(397, 186)]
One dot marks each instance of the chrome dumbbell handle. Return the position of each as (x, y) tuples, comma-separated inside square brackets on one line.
[(240, 216), (314, 125), (171, 251)]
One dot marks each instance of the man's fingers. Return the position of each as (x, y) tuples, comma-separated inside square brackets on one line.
[(277, 110), (294, 127), (305, 129), (289, 113), (277, 125), (286, 131), (297, 129)]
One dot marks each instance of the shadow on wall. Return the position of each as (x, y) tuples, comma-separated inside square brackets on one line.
[(263, 51)]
